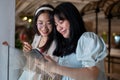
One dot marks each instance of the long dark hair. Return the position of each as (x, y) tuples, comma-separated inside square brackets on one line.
[(67, 11), (36, 15)]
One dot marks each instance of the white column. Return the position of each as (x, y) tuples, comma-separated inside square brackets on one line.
[(7, 33)]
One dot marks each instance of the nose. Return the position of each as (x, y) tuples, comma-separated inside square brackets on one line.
[(44, 26), (59, 27)]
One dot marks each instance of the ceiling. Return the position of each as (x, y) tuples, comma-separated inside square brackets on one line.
[(27, 7)]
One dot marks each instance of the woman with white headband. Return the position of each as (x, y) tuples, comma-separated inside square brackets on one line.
[(43, 40)]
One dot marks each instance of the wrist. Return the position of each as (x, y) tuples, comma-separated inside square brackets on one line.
[(56, 69)]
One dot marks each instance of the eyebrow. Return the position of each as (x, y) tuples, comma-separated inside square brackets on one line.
[(42, 21)]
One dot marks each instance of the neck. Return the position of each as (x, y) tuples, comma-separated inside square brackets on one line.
[(43, 41)]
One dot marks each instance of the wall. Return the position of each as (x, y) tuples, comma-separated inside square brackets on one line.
[(7, 31)]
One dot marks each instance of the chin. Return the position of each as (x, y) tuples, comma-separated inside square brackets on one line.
[(66, 36), (45, 35)]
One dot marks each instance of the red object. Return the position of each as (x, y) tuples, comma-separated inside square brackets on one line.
[(5, 43), (22, 37)]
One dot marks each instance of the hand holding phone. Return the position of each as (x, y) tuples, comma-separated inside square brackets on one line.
[(26, 47), (35, 53)]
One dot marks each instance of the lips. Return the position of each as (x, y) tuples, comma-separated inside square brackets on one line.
[(63, 32), (44, 32)]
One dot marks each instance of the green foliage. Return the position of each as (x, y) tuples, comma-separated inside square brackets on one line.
[(18, 44)]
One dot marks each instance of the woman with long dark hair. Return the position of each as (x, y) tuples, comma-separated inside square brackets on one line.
[(43, 41), (81, 53)]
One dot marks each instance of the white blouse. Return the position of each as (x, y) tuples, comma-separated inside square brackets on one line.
[(91, 51)]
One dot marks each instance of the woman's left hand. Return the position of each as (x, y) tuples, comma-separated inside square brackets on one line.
[(49, 65)]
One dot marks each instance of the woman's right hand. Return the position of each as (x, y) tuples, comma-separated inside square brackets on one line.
[(26, 47)]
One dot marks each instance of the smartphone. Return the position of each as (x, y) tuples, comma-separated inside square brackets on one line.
[(36, 53)]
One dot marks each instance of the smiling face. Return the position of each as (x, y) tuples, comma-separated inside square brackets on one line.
[(44, 25), (62, 26)]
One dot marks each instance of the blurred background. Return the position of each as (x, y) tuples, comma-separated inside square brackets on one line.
[(16, 16), (100, 16), (96, 14)]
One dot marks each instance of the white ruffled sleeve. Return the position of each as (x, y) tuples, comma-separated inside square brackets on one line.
[(90, 49)]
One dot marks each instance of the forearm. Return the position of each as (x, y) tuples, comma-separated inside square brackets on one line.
[(78, 73)]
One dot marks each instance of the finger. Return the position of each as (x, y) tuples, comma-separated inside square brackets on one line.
[(26, 49), (27, 46), (25, 43), (41, 66)]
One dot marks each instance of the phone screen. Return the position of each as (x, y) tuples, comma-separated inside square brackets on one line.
[(36, 54)]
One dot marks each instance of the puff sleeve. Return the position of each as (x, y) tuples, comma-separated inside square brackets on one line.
[(90, 49)]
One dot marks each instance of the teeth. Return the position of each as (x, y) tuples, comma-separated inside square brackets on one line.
[(44, 32), (62, 32)]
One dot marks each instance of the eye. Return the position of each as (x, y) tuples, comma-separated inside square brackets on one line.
[(49, 23), (61, 21), (39, 23)]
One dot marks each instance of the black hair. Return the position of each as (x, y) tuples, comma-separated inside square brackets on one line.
[(67, 11), (36, 15)]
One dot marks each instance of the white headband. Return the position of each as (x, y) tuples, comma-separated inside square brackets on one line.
[(43, 8)]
